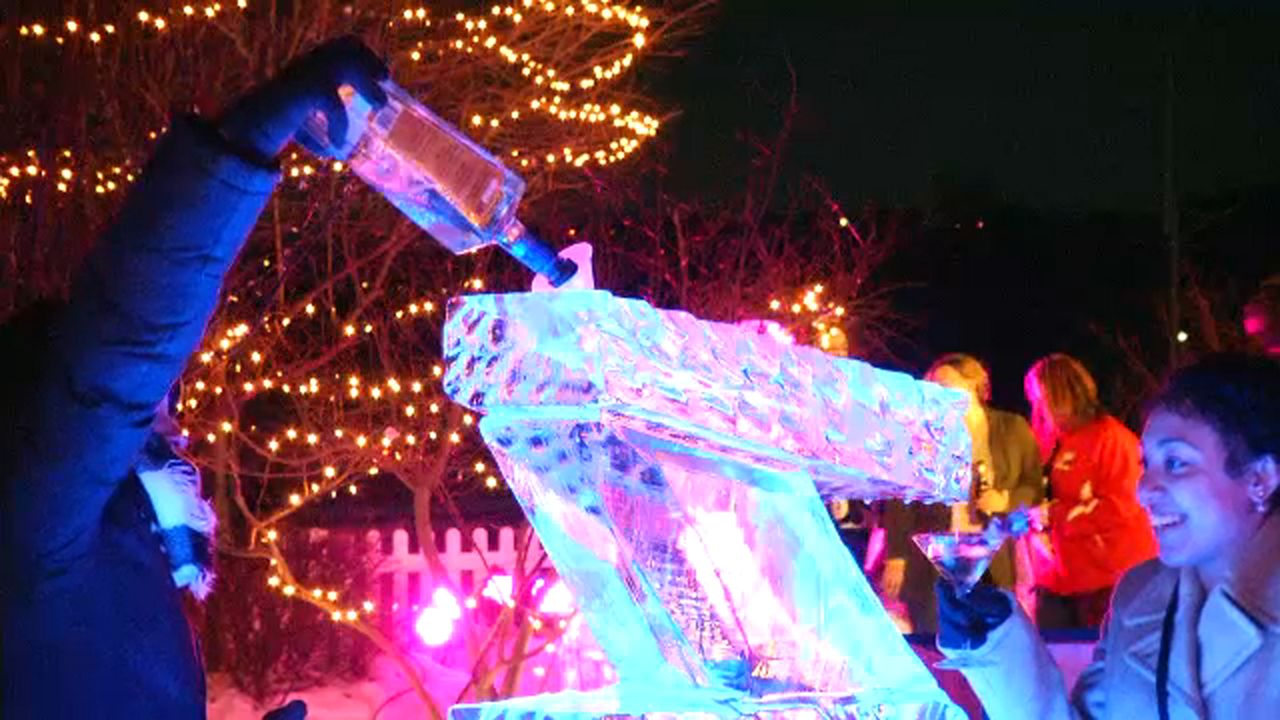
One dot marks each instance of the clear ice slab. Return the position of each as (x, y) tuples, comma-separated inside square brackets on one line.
[(674, 470)]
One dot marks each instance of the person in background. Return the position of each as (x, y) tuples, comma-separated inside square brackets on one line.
[(99, 520), (854, 521), (1262, 317), (1195, 633), (1097, 527), (1007, 475)]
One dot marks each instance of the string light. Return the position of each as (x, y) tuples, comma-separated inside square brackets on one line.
[(539, 75), (824, 316), (150, 19), (551, 90)]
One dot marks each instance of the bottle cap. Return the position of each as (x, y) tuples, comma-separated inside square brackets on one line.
[(572, 270)]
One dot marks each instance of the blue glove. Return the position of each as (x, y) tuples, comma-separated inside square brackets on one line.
[(264, 121), (296, 710), (964, 622)]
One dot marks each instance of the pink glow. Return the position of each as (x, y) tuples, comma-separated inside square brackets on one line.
[(498, 589), (557, 600), (445, 600), (434, 626), (436, 621), (743, 597), (731, 578), (770, 328)]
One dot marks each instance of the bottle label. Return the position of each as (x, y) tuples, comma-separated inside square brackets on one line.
[(470, 182)]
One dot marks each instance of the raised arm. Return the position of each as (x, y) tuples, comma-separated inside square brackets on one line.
[(141, 302), (138, 307)]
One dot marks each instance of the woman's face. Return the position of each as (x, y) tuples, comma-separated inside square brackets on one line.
[(1201, 514)]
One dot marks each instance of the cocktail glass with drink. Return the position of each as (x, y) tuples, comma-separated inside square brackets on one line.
[(962, 557)]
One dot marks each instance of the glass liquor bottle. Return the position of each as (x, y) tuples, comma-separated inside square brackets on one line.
[(442, 180)]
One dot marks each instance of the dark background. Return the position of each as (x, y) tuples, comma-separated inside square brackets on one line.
[(1043, 124), (1051, 107)]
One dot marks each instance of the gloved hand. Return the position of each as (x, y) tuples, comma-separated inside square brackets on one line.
[(295, 710), (964, 622), (263, 121), (992, 501)]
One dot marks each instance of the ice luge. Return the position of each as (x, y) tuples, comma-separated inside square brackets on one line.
[(862, 432), (672, 468)]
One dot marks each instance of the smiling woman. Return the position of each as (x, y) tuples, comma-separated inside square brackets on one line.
[(1210, 452), (1196, 632)]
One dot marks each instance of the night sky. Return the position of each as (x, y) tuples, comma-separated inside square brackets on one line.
[(1055, 109), (1047, 124)]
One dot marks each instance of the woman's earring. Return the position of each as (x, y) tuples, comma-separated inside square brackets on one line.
[(1259, 497)]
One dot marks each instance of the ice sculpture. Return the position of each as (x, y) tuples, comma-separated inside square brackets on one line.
[(673, 469)]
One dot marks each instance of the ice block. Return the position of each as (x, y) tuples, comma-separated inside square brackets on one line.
[(674, 470)]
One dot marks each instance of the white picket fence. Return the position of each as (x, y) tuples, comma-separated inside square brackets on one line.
[(405, 581)]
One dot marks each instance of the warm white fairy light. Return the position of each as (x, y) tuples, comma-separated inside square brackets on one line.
[(483, 32)]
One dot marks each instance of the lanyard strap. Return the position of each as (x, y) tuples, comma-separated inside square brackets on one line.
[(1166, 647)]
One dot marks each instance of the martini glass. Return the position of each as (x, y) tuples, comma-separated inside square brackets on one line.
[(960, 558)]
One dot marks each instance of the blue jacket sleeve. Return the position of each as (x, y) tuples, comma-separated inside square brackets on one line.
[(137, 311)]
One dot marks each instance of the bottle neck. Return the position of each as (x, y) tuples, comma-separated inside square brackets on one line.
[(536, 255)]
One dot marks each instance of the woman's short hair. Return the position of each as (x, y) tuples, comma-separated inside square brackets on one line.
[(1238, 395), (1065, 389), (968, 367)]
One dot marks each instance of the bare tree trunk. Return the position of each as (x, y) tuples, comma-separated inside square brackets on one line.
[(424, 487), (422, 501)]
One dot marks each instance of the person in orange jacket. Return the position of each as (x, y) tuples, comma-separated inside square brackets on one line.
[(1097, 527)]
